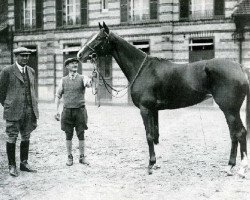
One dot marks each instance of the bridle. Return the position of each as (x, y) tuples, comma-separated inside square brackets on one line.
[(93, 58)]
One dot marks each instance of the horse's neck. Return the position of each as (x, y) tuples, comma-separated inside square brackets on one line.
[(127, 56)]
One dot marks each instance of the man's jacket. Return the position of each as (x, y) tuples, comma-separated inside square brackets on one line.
[(12, 92)]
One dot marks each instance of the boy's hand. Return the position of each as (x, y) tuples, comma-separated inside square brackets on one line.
[(57, 116), (94, 74)]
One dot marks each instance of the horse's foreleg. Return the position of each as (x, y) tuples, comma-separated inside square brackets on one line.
[(148, 120), (156, 127)]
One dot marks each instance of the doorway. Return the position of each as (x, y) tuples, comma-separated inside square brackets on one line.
[(104, 65)]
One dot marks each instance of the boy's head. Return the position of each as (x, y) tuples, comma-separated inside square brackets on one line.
[(72, 64)]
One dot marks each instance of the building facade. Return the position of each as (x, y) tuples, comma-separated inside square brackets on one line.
[(179, 30)]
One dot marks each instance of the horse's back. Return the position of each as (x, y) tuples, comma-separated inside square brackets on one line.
[(175, 85)]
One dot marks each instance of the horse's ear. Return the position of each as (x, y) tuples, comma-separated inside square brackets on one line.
[(100, 26), (105, 28)]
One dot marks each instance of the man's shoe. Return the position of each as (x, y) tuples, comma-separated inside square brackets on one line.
[(24, 166), (70, 160), (13, 171), (83, 161)]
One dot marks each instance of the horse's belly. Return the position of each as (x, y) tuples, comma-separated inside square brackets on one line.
[(180, 101)]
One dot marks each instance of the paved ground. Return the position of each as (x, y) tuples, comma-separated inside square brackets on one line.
[(194, 149)]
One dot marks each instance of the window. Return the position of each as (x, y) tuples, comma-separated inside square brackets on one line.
[(71, 12), (139, 10), (201, 9), (142, 45), (28, 14), (201, 49), (71, 15)]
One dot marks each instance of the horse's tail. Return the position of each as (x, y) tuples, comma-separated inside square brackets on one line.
[(248, 105)]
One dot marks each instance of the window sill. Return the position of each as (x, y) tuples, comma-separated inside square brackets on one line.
[(202, 19), (141, 22), (105, 10)]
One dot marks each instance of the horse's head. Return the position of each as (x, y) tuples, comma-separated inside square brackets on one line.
[(97, 45)]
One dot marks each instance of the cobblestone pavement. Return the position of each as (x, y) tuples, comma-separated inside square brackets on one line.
[(193, 151)]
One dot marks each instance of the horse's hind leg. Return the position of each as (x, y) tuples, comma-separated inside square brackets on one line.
[(148, 120), (237, 134)]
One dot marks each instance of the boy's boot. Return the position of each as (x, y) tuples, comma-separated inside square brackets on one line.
[(69, 151), (11, 154), (24, 154), (82, 158)]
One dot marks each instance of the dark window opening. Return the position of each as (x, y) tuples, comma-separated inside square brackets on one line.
[(201, 44), (201, 49), (142, 45)]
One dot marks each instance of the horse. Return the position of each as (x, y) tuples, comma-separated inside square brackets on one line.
[(158, 84)]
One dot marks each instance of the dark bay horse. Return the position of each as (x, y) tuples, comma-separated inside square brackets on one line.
[(158, 84)]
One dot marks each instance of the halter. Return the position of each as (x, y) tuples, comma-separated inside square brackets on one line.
[(93, 48), (93, 60)]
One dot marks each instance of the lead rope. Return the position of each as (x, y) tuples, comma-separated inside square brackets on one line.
[(107, 85)]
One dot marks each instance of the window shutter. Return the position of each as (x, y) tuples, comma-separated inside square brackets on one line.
[(18, 14), (153, 9), (124, 10), (84, 12), (39, 14), (59, 13), (219, 7), (184, 9)]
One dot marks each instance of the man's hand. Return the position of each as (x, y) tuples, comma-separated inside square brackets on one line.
[(57, 116)]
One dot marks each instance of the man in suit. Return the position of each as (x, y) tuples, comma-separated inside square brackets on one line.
[(17, 96)]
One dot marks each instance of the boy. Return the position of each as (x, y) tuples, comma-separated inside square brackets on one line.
[(74, 114)]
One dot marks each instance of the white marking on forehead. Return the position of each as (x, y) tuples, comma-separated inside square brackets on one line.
[(91, 39)]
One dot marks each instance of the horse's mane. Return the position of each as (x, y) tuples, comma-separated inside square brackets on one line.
[(160, 59), (119, 38)]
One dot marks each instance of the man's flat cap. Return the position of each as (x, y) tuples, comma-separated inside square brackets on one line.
[(70, 60), (22, 50)]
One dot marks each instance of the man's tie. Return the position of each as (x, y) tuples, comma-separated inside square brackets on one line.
[(22, 70)]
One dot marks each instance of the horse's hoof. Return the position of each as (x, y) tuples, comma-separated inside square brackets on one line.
[(156, 141), (242, 172), (228, 170), (150, 171)]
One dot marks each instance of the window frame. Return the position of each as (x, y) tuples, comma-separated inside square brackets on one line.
[(74, 15), (61, 11), (185, 8), (32, 14), (125, 12)]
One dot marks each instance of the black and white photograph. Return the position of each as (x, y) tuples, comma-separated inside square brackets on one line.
[(124, 99)]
